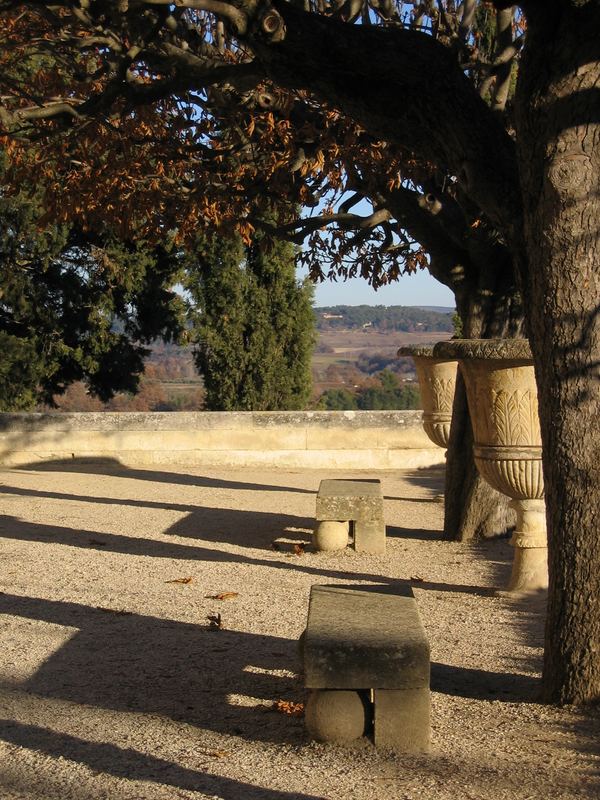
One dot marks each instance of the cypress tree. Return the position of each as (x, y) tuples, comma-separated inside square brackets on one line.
[(254, 328)]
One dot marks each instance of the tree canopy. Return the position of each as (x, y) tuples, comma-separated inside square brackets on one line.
[(76, 306), (207, 119)]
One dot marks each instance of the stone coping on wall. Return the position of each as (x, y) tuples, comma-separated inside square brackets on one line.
[(320, 439)]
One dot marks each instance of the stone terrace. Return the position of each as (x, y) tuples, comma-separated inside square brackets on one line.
[(113, 684)]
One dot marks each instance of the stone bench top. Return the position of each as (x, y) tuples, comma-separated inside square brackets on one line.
[(349, 499), (365, 637)]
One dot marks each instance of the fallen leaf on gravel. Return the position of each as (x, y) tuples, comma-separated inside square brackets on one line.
[(222, 596), (299, 548), (417, 578), (289, 708), (283, 707), (215, 622), (180, 580), (219, 753)]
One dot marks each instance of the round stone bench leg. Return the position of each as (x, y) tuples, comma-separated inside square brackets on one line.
[(337, 715), (331, 535)]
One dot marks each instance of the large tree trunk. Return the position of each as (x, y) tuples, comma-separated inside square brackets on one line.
[(558, 122), (473, 509), (491, 308)]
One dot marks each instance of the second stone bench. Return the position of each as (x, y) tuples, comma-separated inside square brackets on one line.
[(366, 661), (358, 503)]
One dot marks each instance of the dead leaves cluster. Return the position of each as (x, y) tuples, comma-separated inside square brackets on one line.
[(298, 548), (286, 707)]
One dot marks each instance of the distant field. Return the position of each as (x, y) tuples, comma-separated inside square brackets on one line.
[(357, 341), (348, 345)]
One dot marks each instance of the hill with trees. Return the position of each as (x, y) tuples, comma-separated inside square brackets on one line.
[(384, 318)]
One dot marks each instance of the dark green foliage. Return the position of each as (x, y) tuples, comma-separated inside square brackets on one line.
[(457, 325), (384, 393), (76, 306), (390, 394), (337, 400), (20, 372), (384, 318), (254, 330)]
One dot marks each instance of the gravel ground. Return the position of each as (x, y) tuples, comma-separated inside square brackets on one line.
[(113, 684)]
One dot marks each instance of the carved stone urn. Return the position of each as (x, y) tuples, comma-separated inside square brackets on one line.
[(437, 379), (502, 398)]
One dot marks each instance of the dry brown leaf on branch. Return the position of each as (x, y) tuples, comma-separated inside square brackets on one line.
[(180, 580), (215, 623), (222, 596)]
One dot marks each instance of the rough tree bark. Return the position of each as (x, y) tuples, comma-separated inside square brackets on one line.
[(552, 230), (473, 509), (481, 274), (558, 124)]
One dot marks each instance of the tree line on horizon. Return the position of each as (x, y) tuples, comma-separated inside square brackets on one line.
[(408, 319)]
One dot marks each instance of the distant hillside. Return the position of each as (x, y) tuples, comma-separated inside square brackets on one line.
[(410, 319), (439, 309)]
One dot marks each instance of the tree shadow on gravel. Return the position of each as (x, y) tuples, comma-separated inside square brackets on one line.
[(257, 529), (462, 588), (114, 468), (480, 684), (414, 534), (84, 498), (19, 530), (429, 478), (218, 680), (133, 765)]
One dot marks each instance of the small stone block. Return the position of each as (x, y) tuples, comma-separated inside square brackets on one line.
[(365, 637), (369, 536), (352, 500), (401, 719)]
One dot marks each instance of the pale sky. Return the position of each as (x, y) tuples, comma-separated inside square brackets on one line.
[(411, 290)]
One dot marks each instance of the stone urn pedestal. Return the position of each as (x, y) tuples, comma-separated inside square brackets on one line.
[(437, 381), (502, 398)]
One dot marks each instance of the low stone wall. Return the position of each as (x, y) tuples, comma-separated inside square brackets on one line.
[(314, 439)]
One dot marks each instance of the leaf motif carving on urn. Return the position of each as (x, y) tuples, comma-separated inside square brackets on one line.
[(515, 417), (443, 394)]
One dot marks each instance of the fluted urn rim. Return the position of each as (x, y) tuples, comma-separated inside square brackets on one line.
[(421, 351), (488, 349)]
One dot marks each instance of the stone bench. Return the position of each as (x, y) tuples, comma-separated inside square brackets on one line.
[(366, 661), (359, 502)]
